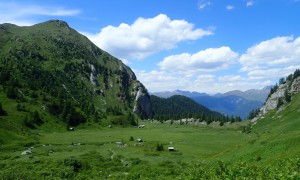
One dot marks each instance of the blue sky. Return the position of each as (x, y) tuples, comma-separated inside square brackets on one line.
[(197, 45)]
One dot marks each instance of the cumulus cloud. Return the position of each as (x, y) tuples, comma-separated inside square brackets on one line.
[(231, 78), (18, 13), (146, 36), (279, 51), (205, 71), (274, 73), (160, 80), (211, 59), (205, 78)]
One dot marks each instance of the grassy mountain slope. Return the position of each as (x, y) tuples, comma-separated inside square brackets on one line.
[(50, 71)]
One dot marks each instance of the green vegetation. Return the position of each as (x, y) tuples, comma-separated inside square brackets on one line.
[(60, 72), (253, 113), (52, 79), (267, 149), (179, 107), (2, 111)]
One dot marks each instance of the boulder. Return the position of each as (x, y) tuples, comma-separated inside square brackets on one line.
[(26, 152)]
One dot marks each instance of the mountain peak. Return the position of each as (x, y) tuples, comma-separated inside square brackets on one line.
[(58, 23), (53, 58)]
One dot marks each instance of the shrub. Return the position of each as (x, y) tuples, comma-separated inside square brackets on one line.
[(287, 96), (2, 112), (131, 138), (159, 147), (279, 103)]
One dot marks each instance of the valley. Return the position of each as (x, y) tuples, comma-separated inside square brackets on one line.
[(69, 110), (269, 150)]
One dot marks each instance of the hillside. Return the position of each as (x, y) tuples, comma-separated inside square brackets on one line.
[(179, 107), (282, 93), (50, 72), (268, 148), (232, 103)]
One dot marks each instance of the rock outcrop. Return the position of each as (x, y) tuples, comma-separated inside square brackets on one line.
[(272, 102), (295, 88), (142, 105), (93, 76)]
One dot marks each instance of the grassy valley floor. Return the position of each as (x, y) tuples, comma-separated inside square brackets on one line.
[(267, 149)]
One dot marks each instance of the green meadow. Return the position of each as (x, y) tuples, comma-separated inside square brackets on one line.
[(268, 148)]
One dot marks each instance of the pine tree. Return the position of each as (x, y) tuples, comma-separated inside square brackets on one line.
[(287, 96), (2, 112)]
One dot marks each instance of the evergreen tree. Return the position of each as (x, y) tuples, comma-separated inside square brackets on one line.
[(2, 112), (281, 81), (279, 103), (287, 96), (296, 73)]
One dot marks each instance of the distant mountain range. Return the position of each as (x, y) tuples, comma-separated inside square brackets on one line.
[(179, 107), (236, 103)]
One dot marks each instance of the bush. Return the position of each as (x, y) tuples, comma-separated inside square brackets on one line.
[(159, 147), (246, 129), (2, 112), (131, 138), (287, 96), (279, 103)]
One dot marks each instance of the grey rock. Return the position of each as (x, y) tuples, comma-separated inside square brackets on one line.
[(272, 101), (93, 76), (295, 88), (142, 105)]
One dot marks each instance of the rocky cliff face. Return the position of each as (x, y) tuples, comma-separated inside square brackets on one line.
[(295, 88), (292, 87), (142, 105)]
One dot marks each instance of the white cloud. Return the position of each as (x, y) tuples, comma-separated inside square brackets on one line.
[(249, 3), (157, 81), (146, 36), (272, 59), (19, 14), (231, 78), (205, 78), (211, 59), (263, 64), (162, 81), (279, 51), (203, 4), (275, 73), (229, 7)]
